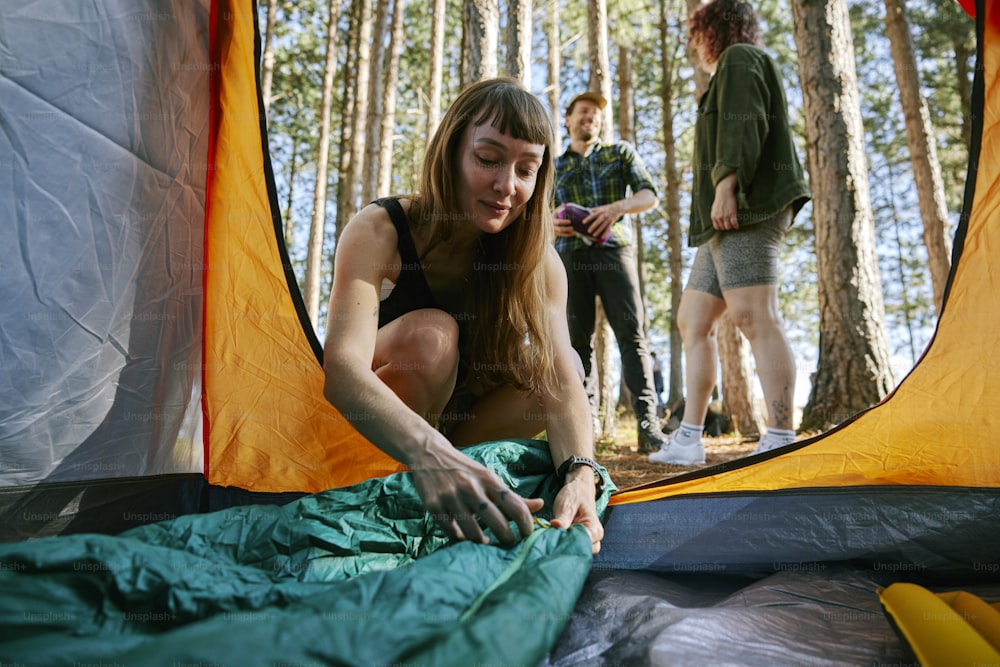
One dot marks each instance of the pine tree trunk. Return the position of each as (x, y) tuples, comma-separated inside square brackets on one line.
[(738, 379), (604, 342), (344, 191), (314, 255), (384, 185), (962, 54), (626, 131), (376, 103), (668, 64), (600, 65), (267, 58), (923, 151), (362, 106), (554, 65), (853, 370), (292, 171), (481, 25), (600, 80), (436, 65), (626, 96), (519, 41)]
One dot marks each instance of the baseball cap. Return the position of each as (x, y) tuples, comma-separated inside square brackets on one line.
[(596, 98)]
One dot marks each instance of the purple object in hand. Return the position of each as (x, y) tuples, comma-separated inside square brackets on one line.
[(576, 215)]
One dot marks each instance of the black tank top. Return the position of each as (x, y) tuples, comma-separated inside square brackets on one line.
[(411, 291)]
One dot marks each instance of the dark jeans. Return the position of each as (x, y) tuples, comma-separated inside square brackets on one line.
[(611, 274)]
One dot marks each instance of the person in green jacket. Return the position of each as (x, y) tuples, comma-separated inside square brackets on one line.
[(748, 186)]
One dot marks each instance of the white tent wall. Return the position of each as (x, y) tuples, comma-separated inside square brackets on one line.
[(103, 138)]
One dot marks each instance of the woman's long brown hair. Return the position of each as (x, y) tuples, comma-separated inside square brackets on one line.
[(508, 332)]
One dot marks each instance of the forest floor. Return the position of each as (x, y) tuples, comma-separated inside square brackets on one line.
[(628, 467)]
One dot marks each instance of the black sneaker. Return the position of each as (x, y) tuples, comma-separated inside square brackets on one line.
[(650, 438)]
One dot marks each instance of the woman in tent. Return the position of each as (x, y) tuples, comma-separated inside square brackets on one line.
[(447, 320)]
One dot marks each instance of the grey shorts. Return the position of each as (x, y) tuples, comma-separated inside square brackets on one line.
[(741, 257)]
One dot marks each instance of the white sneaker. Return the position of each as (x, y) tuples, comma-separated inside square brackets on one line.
[(766, 444), (680, 455)]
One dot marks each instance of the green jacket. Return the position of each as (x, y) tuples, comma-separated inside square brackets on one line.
[(743, 126)]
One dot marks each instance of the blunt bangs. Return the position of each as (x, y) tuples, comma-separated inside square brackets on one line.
[(516, 113)]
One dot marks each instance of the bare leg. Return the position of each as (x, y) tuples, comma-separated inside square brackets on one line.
[(416, 355), (755, 312), (506, 413), (698, 319)]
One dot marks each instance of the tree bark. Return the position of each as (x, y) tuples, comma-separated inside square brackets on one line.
[(481, 25), (289, 231), (436, 65), (267, 59), (384, 184), (668, 64), (600, 80), (314, 255), (962, 54), (922, 146), (604, 340), (626, 95), (853, 371), (626, 131), (554, 65), (600, 64), (344, 192), (519, 41), (376, 102), (362, 103), (738, 401)]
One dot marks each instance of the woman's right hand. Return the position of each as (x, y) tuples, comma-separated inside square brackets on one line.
[(459, 493)]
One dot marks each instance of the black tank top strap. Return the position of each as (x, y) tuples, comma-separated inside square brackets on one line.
[(411, 291), (407, 249)]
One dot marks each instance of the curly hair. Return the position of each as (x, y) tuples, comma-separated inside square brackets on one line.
[(511, 301), (723, 23)]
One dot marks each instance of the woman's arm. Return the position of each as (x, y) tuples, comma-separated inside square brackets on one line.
[(567, 416), (455, 489)]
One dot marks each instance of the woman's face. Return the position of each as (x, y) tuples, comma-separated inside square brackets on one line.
[(498, 175)]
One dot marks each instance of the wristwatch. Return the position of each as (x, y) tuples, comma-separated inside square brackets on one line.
[(568, 464)]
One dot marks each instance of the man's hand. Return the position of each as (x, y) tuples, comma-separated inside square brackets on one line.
[(600, 221), (563, 227)]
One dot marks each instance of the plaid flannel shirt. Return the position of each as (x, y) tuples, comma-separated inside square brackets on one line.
[(600, 177)]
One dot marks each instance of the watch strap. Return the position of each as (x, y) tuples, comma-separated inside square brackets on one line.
[(574, 460)]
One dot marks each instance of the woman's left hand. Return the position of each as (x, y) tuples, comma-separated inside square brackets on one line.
[(575, 503)]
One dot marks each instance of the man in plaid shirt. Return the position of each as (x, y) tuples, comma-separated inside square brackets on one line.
[(599, 176)]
